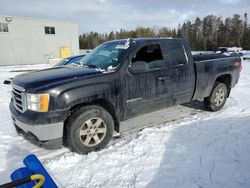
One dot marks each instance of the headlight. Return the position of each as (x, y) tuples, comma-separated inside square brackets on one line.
[(38, 102)]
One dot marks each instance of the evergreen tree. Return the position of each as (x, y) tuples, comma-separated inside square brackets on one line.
[(207, 34)]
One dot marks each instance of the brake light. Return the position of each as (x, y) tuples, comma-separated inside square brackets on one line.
[(238, 64)]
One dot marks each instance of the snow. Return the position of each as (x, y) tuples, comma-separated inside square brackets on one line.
[(197, 149)]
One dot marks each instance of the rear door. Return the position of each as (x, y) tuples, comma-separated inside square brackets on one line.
[(180, 70), (148, 90)]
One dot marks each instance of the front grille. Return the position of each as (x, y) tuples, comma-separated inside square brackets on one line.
[(18, 98)]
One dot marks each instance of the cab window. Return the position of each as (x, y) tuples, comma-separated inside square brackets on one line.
[(151, 55), (175, 53)]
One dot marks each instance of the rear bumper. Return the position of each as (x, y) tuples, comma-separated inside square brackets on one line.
[(48, 134)]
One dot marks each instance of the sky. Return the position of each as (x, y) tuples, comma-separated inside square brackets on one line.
[(107, 15)]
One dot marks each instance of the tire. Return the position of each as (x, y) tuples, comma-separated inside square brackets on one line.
[(86, 126), (217, 98)]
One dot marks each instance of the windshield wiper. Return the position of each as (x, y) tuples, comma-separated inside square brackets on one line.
[(90, 65)]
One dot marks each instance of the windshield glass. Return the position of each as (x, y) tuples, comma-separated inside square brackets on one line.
[(106, 55)]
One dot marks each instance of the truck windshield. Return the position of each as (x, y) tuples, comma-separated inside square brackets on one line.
[(106, 55)]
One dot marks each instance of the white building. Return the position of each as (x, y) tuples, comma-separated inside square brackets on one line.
[(33, 41)]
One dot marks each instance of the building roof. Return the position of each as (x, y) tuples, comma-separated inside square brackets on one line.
[(40, 19)]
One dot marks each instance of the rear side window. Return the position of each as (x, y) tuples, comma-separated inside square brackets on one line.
[(176, 54), (152, 55)]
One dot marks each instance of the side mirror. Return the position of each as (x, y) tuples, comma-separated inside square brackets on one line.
[(110, 68), (138, 66)]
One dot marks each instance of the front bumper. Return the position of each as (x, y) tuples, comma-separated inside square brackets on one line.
[(48, 134)]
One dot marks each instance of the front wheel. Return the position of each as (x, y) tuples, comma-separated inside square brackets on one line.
[(89, 129), (217, 98)]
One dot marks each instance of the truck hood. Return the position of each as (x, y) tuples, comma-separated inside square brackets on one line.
[(51, 76)]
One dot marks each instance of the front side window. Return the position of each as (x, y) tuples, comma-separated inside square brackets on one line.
[(4, 27), (49, 30), (151, 55)]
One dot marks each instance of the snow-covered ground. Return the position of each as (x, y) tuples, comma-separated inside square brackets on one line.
[(201, 149)]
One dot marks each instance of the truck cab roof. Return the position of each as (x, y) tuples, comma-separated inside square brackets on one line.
[(143, 40)]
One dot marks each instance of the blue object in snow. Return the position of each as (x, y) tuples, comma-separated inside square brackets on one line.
[(32, 167), (36, 167), (22, 173)]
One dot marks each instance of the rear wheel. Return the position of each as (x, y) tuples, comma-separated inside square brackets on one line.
[(89, 129), (217, 98)]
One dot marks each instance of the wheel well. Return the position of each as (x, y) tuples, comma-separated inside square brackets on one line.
[(107, 105), (226, 79)]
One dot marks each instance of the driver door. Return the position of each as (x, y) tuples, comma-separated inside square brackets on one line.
[(145, 89)]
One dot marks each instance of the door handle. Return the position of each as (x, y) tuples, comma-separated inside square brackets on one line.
[(163, 78), (179, 65)]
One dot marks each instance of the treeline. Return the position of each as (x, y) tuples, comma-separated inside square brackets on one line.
[(202, 34)]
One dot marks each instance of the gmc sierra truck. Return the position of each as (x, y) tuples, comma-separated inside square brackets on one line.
[(81, 106)]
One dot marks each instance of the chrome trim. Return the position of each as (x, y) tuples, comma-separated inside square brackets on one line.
[(17, 87), (20, 91), (134, 100)]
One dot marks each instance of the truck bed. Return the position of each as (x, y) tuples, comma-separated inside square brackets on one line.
[(209, 67)]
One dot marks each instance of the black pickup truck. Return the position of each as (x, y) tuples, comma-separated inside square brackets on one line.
[(81, 106)]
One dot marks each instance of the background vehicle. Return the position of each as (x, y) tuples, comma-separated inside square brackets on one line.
[(246, 55), (81, 106), (66, 61), (69, 60)]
